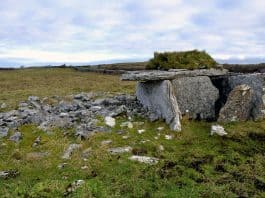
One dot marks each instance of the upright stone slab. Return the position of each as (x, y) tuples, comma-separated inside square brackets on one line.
[(256, 81), (238, 106), (159, 98), (196, 96)]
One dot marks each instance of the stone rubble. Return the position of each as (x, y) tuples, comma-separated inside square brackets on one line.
[(80, 113)]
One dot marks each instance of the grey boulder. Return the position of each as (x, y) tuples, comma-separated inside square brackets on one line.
[(196, 96), (3, 131), (16, 137), (255, 81), (239, 105)]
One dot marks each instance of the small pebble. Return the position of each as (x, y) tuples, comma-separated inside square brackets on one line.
[(140, 131), (168, 137)]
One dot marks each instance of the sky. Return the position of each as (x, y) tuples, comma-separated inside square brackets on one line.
[(79, 31)]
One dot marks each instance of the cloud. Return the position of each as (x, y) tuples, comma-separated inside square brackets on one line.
[(82, 31)]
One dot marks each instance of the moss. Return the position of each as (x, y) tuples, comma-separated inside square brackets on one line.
[(182, 60)]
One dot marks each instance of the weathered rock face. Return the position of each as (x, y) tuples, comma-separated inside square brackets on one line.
[(256, 81), (196, 97), (155, 75), (239, 104), (159, 98)]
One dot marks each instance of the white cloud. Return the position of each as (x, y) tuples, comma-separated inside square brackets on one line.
[(77, 30)]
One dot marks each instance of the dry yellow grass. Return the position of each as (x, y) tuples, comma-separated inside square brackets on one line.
[(17, 85)]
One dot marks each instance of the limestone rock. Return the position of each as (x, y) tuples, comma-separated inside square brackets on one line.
[(218, 129), (156, 75), (119, 150), (144, 159), (8, 174), (16, 137), (238, 106), (158, 97), (3, 131), (69, 151), (3, 106), (109, 121), (196, 96)]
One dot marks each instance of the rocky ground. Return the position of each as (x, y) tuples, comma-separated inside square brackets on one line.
[(80, 112)]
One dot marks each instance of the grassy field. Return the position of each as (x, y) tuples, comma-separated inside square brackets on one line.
[(17, 85), (192, 164)]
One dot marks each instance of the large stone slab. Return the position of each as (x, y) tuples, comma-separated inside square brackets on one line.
[(156, 75), (196, 97), (239, 105), (159, 98)]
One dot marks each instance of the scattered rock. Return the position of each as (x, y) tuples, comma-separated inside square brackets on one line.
[(160, 128), (69, 151), (161, 148), (73, 186), (109, 121), (9, 174), (120, 150), (159, 98), (16, 137), (3, 132), (84, 167), (127, 124), (144, 159), (3, 106), (125, 137), (61, 166), (168, 137), (238, 106), (106, 142), (140, 131), (218, 129), (36, 141)]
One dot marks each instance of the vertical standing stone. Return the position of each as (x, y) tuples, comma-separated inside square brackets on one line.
[(238, 106), (159, 98)]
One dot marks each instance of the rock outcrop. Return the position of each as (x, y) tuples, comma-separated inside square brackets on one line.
[(239, 105), (196, 97), (81, 113), (159, 98)]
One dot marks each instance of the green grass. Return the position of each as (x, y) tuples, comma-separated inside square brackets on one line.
[(17, 85), (193, 59), (193, 163)]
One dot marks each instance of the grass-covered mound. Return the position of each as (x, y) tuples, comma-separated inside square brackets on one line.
[(182, 60)]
